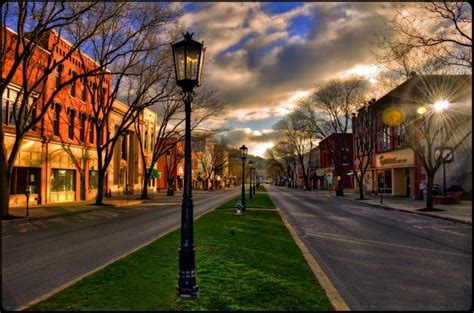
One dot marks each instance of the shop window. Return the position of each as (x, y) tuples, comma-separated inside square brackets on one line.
[(63, 180), (25, 178)]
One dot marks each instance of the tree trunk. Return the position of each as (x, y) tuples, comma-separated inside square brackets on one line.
[(146, 181), (170, 187), (429, 192), (100, 187), (361, 189), (82, 186)]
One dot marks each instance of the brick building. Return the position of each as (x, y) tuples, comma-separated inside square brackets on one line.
[(341, 158), (395, 168)]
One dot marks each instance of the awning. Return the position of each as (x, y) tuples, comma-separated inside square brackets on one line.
[(155, 173)]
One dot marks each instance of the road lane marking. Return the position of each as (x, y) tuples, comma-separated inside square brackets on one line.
[(371, 242), (9, 236)]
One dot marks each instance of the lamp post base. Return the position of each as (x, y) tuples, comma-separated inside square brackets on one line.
[(188, 292)]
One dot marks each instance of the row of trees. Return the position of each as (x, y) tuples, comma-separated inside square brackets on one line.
[(428, 37), (129, 43)]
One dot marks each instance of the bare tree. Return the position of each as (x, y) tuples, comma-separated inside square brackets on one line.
[(274, 166), (37, 28), (328, 111), (285, 154), (364, 129), (434, 128), (300, 136), (171, 166), (139, 73), (170, 129), (426, 37)]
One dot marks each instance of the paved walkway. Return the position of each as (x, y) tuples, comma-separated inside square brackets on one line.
[(66, 208), (461, 213), (52, 210)]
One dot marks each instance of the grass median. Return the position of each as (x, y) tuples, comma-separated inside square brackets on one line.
[(247, 262)]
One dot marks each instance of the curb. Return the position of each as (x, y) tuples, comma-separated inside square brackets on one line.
[(335, 298), (451, 219), (40, 218)]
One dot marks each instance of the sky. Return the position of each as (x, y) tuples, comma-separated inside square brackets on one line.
[(263, 56)]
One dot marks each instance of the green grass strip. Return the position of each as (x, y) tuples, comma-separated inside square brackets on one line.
[(259, 200), (247, 262)]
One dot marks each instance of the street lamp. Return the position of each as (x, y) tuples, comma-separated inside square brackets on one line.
[(188, 58), (243, 156), (383, 182), (250, 173)]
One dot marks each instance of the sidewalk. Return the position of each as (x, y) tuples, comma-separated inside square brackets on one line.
[(52, 210), (460, 213)]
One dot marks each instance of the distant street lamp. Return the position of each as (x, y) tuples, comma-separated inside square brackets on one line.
[(383, 182), (243, 156), (250, 174), (188, 58)]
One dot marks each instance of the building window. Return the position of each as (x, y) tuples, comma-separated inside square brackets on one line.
[(91, 130), (102, 96), (152, 140), (72, 115), (57, 111), (93, 179), (84, 89), (82, 126), (58, 75), (73, 84), (63, 180), (23, 178)]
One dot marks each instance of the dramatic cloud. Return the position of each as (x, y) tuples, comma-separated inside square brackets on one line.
[(262, 56)]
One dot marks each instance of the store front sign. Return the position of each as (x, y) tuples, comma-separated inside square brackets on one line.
[(400, 158)]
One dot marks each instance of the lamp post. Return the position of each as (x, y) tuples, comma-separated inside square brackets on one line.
[(188, 58), (383, 182), (255, 180), (250, 180), (168, 181), (243, 156), (447, 157)]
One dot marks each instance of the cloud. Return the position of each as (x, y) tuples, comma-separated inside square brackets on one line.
[(262, 56)]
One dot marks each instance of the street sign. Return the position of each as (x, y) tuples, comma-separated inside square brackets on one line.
[(320, 172)]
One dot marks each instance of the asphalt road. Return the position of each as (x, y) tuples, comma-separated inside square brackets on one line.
[(40, 256), (381, 259)]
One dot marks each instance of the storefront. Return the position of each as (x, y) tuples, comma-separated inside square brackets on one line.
[(394, 173), (63, 185)]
